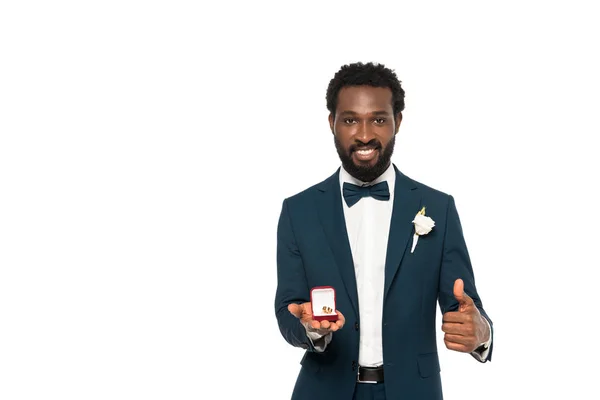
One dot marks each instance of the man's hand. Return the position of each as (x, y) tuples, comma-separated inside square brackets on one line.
[(464, 329), (304, 313)]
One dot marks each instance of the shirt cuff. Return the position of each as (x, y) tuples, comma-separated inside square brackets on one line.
[(318, 340), (481, 353)]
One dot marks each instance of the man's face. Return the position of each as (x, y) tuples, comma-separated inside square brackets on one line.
[(364, 130)]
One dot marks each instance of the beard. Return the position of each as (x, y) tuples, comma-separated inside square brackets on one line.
[(365, 173)]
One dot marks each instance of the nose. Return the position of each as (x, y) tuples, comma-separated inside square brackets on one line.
[(365, 132)]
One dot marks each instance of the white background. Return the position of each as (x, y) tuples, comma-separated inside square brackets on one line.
[(146, 148)]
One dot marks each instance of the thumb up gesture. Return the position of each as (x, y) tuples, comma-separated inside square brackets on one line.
[(465, 329)]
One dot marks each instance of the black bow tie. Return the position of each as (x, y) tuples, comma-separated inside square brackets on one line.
[(353, 193)]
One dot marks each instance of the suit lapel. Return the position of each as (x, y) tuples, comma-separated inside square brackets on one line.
[(407, 202), (332, 219)]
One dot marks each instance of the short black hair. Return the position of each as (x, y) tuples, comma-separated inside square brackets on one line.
[(357, 74)]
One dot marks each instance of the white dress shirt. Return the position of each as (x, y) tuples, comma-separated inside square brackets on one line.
[(368, 226)]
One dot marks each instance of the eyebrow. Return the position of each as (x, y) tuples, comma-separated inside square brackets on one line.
[(381, 113), (348, 112)]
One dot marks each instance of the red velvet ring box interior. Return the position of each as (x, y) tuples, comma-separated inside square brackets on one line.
[(323, 303)]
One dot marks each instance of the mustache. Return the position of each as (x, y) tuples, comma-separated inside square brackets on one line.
[(372, 144)]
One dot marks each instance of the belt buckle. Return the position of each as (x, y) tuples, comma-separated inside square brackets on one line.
[(359, 381), (358, 377)]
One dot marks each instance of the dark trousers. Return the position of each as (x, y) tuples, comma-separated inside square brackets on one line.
[(369, 391)]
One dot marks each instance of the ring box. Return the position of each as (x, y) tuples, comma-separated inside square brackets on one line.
[(322, 299)]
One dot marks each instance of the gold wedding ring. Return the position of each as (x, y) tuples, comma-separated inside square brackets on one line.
[(327, 310)]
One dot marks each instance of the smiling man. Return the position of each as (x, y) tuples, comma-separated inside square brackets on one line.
[(391, 248)]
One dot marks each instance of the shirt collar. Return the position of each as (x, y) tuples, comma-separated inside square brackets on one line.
[(389, 175)]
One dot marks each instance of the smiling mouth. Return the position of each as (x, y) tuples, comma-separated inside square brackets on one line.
[(366, 154)]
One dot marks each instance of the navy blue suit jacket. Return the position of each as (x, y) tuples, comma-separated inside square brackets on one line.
[(313, 250)]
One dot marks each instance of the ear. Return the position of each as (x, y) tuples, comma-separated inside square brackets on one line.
[(331, 121), (398, 120)]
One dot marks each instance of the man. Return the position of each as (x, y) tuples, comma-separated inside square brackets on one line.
[(389, 246)]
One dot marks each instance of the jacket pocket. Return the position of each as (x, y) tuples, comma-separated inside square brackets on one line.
[(429, 364)]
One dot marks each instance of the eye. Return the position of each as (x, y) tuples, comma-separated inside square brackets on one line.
[(349, 121), (380, 121)]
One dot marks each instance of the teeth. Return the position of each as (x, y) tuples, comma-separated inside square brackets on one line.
[(364, 152)]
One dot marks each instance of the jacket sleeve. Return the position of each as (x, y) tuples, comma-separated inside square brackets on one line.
[(457, 264), (292, 286)]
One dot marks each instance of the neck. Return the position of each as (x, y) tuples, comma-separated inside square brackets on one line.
[(363, 182)]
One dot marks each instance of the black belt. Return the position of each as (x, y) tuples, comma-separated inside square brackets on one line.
[(370, 374)]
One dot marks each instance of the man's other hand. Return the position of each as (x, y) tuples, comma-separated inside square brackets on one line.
[(465, 329), (304, 313)]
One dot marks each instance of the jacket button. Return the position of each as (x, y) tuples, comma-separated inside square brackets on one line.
[(356, 325)]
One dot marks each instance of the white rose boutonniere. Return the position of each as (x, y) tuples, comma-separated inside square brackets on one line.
[(423, 225)]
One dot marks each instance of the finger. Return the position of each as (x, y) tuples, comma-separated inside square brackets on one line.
[(341, 320), (334, 327), (456, 347), (456, 329), (459, 290), (468, 343), (325, 324), (466, 330), (455, 317), (295, 309), (307, 308), (315, 325), (460, 295), (457, 339)]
